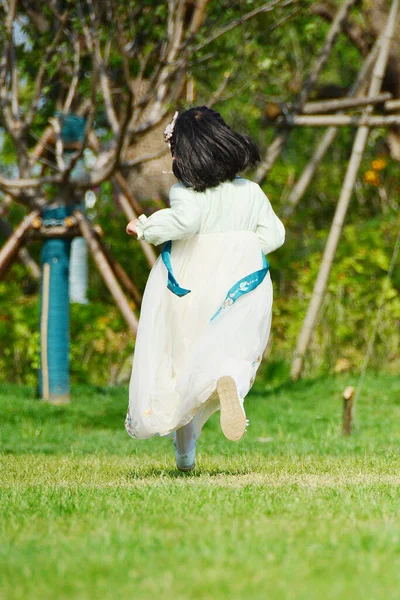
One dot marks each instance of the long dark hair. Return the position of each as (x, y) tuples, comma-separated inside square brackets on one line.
[(206, 151)]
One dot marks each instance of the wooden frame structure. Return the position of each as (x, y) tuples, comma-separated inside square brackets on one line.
[(364, 95)]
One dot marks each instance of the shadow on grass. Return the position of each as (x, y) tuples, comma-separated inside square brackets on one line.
[(155, 471)]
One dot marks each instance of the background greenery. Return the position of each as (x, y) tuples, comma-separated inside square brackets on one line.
[(266, 58)]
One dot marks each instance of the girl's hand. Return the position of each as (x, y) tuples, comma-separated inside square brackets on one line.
[(131, 227)]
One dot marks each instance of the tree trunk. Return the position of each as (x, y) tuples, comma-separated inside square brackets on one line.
[(343, 203)]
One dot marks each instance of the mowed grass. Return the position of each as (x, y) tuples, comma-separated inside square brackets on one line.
[(293, 511)]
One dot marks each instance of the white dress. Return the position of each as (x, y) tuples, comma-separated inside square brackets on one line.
[(219, 237)]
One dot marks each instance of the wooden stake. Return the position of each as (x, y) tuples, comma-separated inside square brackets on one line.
[(348, 396), (9, 251), (106, 271), (343, 203), (279, 142)]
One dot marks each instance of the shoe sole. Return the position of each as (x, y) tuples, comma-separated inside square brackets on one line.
[(186, 469), (233, 418)]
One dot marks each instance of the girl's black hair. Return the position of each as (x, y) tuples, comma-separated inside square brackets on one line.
[(206, 151)]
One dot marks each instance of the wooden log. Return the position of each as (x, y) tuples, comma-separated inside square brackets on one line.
[(343, 203), (121, 274), (392, 105), (328, 138), (9, 252), (106, 271), (342, 121), (348, 397), (312, 108), (321, 59)]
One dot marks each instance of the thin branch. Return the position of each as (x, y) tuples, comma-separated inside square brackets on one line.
[(55, 122), (144, 158), (75, 79), (42, 71), (268, 7)]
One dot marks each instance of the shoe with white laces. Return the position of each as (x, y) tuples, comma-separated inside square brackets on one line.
[(233, 418), (185, 462)]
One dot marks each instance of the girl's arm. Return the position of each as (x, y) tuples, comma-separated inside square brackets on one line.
[(180, 221), (270, 229)]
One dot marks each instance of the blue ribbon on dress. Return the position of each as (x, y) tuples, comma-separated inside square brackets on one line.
[(244, 286), (172, 285), (240, 288)]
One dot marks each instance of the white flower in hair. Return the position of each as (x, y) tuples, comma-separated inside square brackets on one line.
[(169, 130)]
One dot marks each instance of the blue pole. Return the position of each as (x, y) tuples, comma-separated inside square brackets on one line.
[(54, 383)]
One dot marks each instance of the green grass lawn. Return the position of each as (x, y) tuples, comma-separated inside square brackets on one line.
[(293, 511)]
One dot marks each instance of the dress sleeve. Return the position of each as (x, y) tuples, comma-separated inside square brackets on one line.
[(180, 221), (270, 229)]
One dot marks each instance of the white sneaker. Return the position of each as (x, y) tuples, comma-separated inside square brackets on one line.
[(233, 418)]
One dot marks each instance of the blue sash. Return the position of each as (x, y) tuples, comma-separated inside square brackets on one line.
[(240, 288), (172, 285)]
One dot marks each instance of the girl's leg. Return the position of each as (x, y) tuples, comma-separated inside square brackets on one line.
[(185, 438), (185, 447)]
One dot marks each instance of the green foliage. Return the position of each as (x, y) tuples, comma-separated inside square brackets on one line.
[(265, 58)]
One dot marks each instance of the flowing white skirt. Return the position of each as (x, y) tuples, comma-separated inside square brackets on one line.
[(179, 353)]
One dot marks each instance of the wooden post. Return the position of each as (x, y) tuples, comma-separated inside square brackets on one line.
[(343, 203), (279, 142), (106, 271), (348, 396), (10, 250)]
